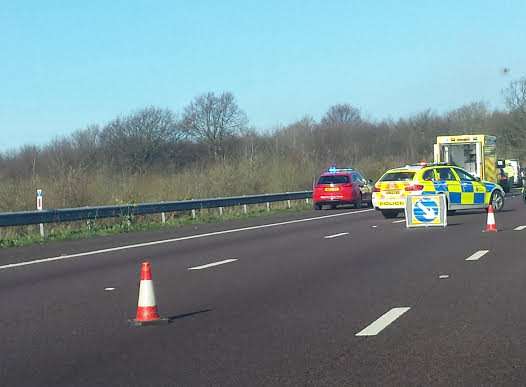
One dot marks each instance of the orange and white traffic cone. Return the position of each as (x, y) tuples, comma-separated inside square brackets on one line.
[(490, 223), (147, 313)]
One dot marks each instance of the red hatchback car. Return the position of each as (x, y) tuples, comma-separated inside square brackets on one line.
[(341, 186)]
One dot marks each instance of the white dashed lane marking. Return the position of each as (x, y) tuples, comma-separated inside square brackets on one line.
[(399, 221), (383, 322), (212, 264), (186, 238), (519, 228), (336, 235), (476, 256)]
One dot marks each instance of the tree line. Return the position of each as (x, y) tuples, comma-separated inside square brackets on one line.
[(213, 130)]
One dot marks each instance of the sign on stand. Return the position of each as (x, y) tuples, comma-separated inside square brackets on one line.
[(40, 207), (426, 210)]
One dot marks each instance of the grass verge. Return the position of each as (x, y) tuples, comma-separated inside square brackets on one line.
[(30, 235)]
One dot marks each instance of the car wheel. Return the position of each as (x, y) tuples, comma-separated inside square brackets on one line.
[(333, 206), (359, 203), (317, 206), (497, 200), (390, 214)]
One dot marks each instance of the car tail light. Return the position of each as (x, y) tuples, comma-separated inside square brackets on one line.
[(414, 187)]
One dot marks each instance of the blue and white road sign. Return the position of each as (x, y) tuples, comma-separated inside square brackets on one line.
[(426, 210)]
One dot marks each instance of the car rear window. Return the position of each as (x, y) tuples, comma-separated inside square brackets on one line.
[(336, 179), (398, 176)]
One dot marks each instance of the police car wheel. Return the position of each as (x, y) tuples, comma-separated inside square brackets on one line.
[(497, 200), (317, 206), (390, 214)]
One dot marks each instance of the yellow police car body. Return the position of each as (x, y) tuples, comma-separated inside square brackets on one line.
[(462, 190)]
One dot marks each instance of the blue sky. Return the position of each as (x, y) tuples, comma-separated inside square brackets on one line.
[(65, 65)]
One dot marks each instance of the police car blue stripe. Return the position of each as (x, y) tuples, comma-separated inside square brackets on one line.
[(440, 186), (489, 186), (479, 198), (467, 186), (455, 197)]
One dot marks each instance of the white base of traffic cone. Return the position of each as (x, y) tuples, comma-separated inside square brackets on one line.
[(160, 321)]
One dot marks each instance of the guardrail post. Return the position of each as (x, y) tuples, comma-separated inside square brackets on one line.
[(220, 211), (193, 215), (307, 200), (245, 209), (163, 217), (288, 204), (268, 206), (40, 206)]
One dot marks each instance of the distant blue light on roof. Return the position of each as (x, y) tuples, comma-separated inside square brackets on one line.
[(333, 170)]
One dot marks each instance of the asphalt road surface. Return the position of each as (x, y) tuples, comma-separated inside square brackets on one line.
[(343, 298)]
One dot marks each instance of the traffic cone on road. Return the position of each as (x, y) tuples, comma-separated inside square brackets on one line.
[(490, 223), (147, 313)]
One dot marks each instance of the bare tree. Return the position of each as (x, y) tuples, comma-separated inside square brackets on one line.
[(341, 115), (468, 118), (212, 119), (515, 96), (141, 140)]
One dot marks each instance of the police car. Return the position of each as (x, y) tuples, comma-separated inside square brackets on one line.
[(341, 186), (462, 190)]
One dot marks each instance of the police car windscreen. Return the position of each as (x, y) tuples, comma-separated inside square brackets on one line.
[(398, 176), (336, 179)]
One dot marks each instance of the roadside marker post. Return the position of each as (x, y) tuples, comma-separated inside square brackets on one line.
[(40, 207), (426, 211)]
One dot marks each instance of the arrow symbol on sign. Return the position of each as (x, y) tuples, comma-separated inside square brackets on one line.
[(429, 214)]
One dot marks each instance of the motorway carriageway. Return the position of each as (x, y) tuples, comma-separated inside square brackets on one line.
[(341, 297)]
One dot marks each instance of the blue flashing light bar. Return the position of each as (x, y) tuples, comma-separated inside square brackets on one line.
[(333, 169)]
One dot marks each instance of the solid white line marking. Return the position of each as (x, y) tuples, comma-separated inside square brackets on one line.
[(379, 325), (476, 256), (399, 221), (212, 264), (134, 246), (519, 228), (336, 235)]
